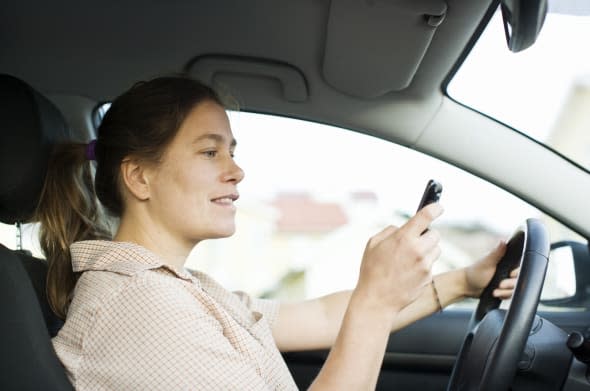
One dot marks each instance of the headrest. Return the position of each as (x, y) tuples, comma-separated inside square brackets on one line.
[(30, 125)]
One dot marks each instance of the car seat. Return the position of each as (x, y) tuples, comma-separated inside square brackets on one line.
[(30, 125)]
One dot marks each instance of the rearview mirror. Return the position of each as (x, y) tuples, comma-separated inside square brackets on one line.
[(523, 20)]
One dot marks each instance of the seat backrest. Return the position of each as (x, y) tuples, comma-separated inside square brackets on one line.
[(30, 126), (27, 361), (37, 272)]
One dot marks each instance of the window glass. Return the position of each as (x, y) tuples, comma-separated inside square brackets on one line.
[(543, 91), (27, 238), (314, 194)]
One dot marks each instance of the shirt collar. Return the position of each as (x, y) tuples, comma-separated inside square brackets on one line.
[(119, 257)]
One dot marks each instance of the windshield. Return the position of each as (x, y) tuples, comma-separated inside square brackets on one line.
[(543, 91)]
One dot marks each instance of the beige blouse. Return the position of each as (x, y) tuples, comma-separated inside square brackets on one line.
[(138, 324)]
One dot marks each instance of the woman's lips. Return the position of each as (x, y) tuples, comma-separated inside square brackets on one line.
[(226, 199)]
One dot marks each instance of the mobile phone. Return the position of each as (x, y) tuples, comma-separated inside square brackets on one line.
[(431, 194)]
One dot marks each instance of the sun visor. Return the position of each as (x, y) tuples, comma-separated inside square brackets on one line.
[(375, 46)]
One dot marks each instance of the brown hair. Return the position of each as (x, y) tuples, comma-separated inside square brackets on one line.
[(140, 123)]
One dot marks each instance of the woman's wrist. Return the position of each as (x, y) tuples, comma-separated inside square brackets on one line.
[(467, 289), (451, 286), (361, 304)]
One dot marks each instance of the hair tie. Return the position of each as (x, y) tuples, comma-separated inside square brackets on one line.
[(90, 154)]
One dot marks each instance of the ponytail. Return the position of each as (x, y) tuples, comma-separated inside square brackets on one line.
[(68, 212)]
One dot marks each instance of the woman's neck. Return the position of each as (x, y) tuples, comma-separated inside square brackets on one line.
[(170, 249)]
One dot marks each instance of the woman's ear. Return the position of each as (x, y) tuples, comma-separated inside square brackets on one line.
[(135, 179)]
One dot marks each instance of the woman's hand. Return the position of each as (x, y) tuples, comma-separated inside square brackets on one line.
[(479, 275), (397, 263), (396, 267)]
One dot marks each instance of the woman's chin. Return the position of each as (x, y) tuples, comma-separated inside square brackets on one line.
[(217, 233), (223, 233)]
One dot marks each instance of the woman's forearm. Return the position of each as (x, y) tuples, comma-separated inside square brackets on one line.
[(357, 353), (450, 287), (394, 271)]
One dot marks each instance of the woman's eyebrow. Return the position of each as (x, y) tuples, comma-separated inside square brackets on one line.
[(218, 138)]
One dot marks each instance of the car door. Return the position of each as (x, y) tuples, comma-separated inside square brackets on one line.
[(421, 356)]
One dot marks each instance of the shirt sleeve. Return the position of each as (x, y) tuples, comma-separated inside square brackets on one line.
[(154, 335), (267, 307)]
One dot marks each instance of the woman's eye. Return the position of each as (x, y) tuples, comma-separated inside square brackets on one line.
[(210, 153)]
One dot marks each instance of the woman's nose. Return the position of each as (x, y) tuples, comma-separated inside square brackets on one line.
[(233, 173)]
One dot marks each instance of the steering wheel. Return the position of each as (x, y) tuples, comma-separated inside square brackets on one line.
[(496, 338)]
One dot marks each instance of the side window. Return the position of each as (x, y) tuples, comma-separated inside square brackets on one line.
[(27, 238), (313, 195)]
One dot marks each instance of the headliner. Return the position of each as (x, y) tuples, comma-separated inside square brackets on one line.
[(97, 50)]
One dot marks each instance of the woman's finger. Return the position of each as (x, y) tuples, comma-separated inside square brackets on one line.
[(507, 283), (503, 293), (432, 256), (514, 272), (422, 219), (377, 238), (429, 240)]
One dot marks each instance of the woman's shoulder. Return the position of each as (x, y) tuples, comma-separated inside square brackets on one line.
[(147, 287), (120, 274), (111, 256)]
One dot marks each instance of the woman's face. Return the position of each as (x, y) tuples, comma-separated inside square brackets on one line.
[(193, 189)]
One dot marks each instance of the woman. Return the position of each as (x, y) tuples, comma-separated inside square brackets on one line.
[(136, 319)]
